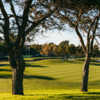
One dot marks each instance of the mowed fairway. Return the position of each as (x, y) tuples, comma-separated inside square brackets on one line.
[(51, 77)]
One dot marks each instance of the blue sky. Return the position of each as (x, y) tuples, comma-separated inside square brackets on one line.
[(57, 36)]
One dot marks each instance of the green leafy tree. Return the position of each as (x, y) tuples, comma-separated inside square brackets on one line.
[(64, 48), (49, 49), (72, 49), (79, 51), (35, 49), (96, 51)]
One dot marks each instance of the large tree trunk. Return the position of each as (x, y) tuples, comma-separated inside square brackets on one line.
[(17, 82), (85, 74), (18, 66)]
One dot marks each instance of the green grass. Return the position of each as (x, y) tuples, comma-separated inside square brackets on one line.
[(51, 79), (53, 95)]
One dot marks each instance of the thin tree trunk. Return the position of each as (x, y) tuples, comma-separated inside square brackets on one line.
[(85, 74), (18, 66)]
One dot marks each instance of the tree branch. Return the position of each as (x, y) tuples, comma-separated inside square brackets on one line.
[(3, 10), (21, 36), (6, 24), (89, 48), (81, 39), (14, 13), (94, 33), (39, 21)]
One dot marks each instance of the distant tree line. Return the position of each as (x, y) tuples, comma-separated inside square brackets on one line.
[(63, 49)]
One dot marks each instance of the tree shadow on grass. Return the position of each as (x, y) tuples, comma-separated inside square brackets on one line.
[(81, 97), (78, 97), (67, 97), (38, 77), (94, 93), (8, 76), (96, 64), (5, 76), (29, 60), (3, 59), (2, 65), (36, 59), (74, 62), (29, 65), (8, 70)]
